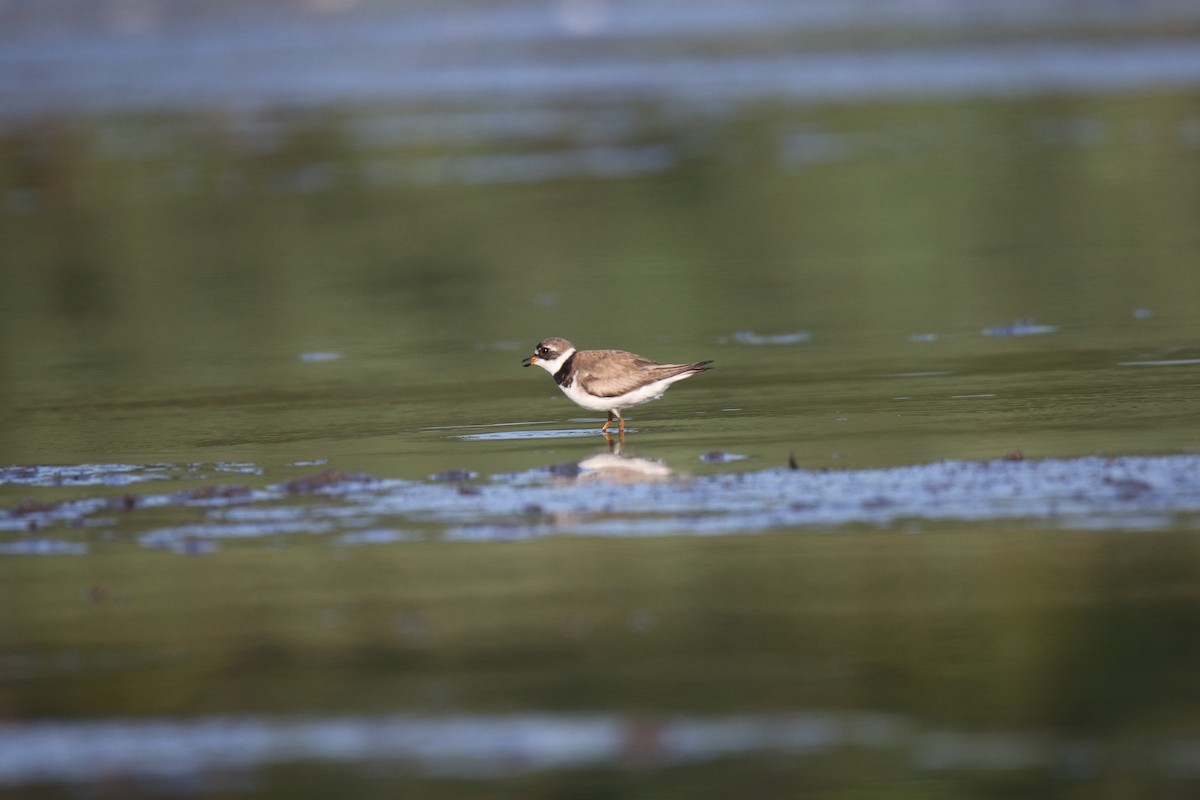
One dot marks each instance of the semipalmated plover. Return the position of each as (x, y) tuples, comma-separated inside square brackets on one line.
[(608, 380)]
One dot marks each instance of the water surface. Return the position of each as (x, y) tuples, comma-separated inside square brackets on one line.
[(283, 516)]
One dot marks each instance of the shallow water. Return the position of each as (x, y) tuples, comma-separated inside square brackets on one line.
[(282, 515)]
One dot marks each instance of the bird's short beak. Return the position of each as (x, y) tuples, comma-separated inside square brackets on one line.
[(529, 361)]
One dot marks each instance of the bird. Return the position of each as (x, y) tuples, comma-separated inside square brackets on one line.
[(608, 380)]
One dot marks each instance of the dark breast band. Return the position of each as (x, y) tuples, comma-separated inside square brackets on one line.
[(566, 374)]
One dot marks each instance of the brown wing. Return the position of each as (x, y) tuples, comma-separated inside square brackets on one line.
[(610, 373)]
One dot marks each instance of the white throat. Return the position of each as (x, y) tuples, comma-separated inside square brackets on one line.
[(555, 365)]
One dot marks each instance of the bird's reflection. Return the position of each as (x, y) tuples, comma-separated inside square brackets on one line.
[(617, 466)]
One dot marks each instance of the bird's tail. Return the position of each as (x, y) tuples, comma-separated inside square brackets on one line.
[(685, 370)]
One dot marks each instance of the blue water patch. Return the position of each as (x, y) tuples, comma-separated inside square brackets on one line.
[(750, 337), (84, 474), (482, 746), (1163, 362), (42, 547), (189, 56), (558, 433), (611, 494), (1020, 327)]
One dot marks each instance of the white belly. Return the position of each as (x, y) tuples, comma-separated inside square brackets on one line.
[(643, 394)]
